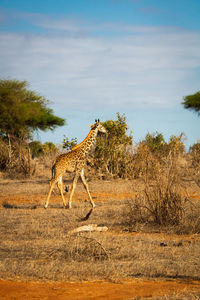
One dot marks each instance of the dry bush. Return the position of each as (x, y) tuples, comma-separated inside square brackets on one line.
[(164, 196), (4, 157), (138, 217), (165, 173), (84, 248), (161, 201), (15, 158), (195, 163), (45, 161), (190, 224)]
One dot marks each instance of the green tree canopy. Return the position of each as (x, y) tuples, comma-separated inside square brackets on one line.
[(67, 144), (111, 150), (155, 141), (23, 111), (192, 102), (157, 144), (38, 149)]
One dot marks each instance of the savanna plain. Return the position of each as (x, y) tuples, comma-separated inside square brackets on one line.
[(137, 257)]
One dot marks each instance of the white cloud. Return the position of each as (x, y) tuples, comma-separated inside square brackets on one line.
[(141, 66)]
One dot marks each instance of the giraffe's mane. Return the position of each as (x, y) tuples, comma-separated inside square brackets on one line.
[(79, 145)]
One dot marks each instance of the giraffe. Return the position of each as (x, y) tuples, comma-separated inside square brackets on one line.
[(74, 161)]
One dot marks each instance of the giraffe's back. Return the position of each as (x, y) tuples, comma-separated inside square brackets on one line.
[(68, 162)]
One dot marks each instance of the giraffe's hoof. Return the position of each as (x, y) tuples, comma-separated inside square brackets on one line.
[(67, 206), (45, 206)]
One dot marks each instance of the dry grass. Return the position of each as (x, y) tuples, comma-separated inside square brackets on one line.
[(35, 244), (179, 296)]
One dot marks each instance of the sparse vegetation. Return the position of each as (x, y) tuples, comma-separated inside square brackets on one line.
[(154, 228), (35, 245)]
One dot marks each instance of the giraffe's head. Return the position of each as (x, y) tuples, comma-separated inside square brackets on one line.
[(97, 125)]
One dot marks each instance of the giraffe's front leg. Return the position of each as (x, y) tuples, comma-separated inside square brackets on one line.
[(86, 187)]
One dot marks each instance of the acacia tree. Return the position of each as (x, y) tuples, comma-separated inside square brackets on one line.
[(192, 102), (22, 112)]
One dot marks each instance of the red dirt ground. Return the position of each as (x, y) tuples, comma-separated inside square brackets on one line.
[(41, 198), (93, 290)]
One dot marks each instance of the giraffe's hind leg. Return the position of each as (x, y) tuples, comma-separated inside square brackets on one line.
[(60, 186), (52, 184), (73, 188), (86, 187)]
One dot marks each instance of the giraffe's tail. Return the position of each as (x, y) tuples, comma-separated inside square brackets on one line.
[(53, 170)]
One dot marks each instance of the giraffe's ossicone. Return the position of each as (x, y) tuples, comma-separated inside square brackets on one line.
[(74, 162)]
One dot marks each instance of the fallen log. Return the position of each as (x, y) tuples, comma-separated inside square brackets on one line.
[(89, 227)]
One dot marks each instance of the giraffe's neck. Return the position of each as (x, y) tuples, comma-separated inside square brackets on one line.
[(87, 143)]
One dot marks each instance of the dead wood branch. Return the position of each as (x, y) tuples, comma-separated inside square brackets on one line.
[(89, 227)]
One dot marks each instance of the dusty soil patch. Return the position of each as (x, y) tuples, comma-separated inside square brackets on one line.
[(94, 290), (39, 199), (34, 192)]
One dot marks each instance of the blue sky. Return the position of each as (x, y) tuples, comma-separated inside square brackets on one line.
[(94, 58)]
